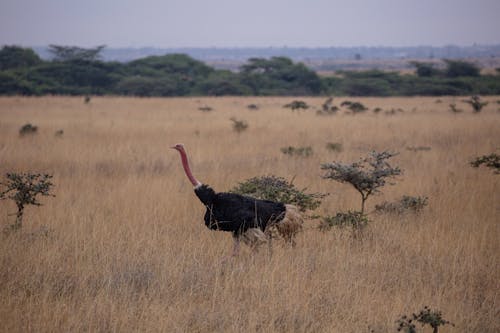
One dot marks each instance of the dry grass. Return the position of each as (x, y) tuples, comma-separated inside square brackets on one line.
[(128, 251)]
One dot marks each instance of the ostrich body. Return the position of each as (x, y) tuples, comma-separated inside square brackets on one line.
[(245, 217)]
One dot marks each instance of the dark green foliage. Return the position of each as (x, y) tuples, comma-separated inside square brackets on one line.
[(424, 69), (404, 205), (239, 125), (75, 53), (491, 161), (297, 151), (278, 189), (279, 76), (367, 176), (12, 57), (78, 71), (475, 102), (28, 129), (457, 68), (23, 189), (354, 219), (296, 105), (433, 318)]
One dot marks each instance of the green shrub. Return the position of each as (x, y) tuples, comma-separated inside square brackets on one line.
[(334, 146), (297, 105), (403, 205), (239, 125), (28, 129), (354, 219), (491, 161), (278, 189), (297, 151), (433, 318)]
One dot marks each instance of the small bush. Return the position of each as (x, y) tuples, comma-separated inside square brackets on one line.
[(454, 109), (334, 146), (475, 102), (239, 125), (355, 107), (353, 219), (297, 105), (405, 204), (28, 129), (433, 318), (491, 161), (252, 107), (297, 151), (205, 108), (278, 189)]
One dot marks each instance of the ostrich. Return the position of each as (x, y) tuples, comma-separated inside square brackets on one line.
[(248, 219)]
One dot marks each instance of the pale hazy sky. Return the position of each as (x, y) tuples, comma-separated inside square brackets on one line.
[(249, 23)]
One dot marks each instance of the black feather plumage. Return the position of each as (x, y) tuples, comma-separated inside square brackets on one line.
[(237, 213)]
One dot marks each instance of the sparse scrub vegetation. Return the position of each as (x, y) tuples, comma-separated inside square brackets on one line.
[(128, 250), (354, 107)]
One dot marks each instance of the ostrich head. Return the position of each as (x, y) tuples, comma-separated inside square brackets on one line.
[(185, 164)]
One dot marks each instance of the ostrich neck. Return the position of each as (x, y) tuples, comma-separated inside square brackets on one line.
[(187, 169)]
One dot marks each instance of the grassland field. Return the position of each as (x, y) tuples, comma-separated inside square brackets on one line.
[(122, 246)]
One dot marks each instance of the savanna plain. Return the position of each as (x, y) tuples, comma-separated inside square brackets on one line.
[(122, 245)]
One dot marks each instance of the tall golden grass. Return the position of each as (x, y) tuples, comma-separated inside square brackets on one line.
[(127, 249)]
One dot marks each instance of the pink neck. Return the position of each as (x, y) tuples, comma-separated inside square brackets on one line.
[(187, 169)]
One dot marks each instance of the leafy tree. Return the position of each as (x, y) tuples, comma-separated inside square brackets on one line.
[(424, 69), (457, 68), (367, 176), (23, 189), (75, 53), (280, 76), (16, 57)]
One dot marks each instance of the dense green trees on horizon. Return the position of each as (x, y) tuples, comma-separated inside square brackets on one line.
[(79, 71)]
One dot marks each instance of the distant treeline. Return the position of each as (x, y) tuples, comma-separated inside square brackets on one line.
[(79, 71)]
